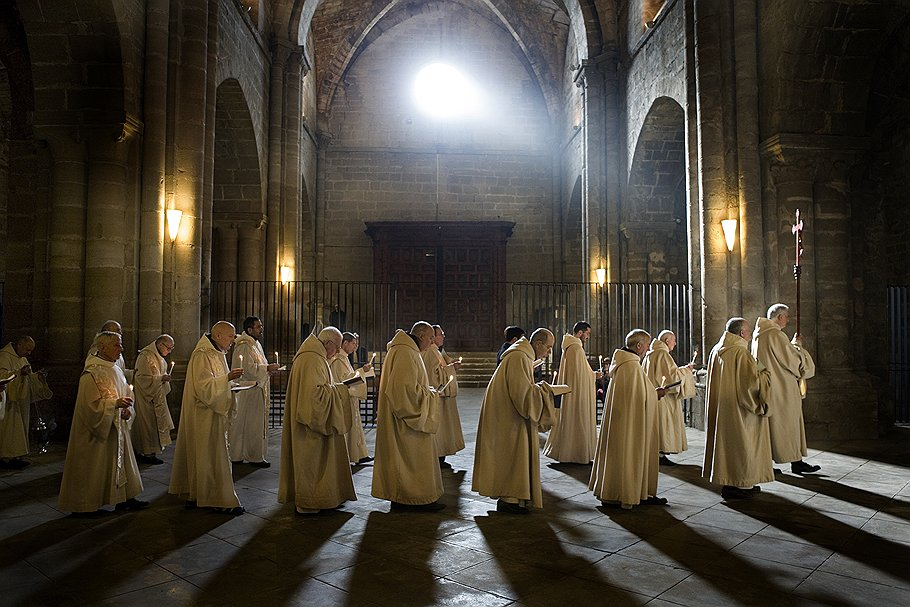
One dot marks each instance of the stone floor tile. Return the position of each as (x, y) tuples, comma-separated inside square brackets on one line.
[(792, 553), (860, 592), (628, 574)]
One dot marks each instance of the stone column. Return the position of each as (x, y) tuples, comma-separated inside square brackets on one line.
[(810, 172), (109, 222), (151, 219), (66, 257), (225, 239), (250, 252), (186, 172)]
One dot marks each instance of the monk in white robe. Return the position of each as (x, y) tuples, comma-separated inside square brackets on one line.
[(315, 473), (662, 370), (625, 465), (153, 424), (574, 437), (113, 326), (737, 439), (14, 423), (789, 364), (514, 410), (342, 370), (100, 467), (406, 470), (440, 367), (248, 435), (202, 466)]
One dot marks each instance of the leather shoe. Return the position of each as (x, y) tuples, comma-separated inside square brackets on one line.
[(365, 460), (655, 501), (131, 504), (802, 467), (729, 492), (509, 508), (262, 464), (666, 461)]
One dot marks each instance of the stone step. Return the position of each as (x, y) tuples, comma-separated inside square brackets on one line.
[(476, 369)]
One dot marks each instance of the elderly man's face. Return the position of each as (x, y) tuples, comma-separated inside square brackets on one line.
[(224, 337), (424, 339), (25, 348), (641, 348), (542, 349), (439, 338), (111, 350), (746, 331), (331, 347), (671, 342), (783, 319), (165, 347)]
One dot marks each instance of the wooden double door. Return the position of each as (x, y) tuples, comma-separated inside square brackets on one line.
[(447, 273)]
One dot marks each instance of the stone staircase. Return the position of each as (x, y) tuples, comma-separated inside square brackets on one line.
[(476, 369)]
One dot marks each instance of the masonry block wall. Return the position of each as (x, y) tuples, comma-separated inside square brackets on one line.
[(387, 159)]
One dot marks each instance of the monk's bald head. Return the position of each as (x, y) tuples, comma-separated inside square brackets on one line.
[(112, 326), (424, 333), (223, 334)]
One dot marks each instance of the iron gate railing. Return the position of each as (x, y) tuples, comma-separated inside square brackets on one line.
[(899, 351), (290, 311)]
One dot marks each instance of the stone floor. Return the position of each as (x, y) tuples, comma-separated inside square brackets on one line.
[(841, 537)]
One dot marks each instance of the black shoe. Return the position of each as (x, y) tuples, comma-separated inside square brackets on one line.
[(365, 460), (655, 501), (151, 460), (262, 464), (802, 467), (778, 471), (131, 504), (190, 504), (509, 508), (431, 507), (666, 461), (237, 462), (444, 464), (16, 463), (755, 489), (235, 511), (729, 492)]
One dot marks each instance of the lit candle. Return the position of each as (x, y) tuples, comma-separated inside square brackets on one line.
[(554, 376), (172, 368), (600, 361), (241, 360), (276, 358), (131, 388), (460, 358), (663, 380), (372, 356), (694, 357)]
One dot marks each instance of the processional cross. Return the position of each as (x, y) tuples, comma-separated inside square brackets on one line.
[(797, 230)]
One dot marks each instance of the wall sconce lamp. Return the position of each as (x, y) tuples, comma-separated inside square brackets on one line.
[(174, 216), (601, 276), (729, 226), (286, 275)]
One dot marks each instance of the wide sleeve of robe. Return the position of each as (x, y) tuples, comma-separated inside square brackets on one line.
[(147, 377), (531, 401), (211, 383), (322, 405), (97, 408)]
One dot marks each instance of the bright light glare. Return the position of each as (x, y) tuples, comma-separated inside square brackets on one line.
[(443, 92)]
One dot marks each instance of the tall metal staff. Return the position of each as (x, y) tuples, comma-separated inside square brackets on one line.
[(797, 230)]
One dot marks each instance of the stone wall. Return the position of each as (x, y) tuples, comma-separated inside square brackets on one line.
[(386, 159)]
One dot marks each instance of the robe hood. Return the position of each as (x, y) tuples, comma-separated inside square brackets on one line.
[(248, 339), (313, 345), (570, 340), (657, 344), (151, 349), (97, 361), (523, 346), (729, 340), (402, 338), (765, 325), (621, 357), (205, 343)]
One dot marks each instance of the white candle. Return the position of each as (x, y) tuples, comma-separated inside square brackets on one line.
[(460, 358), (276, 358), (131, 388), (554, 376), (172, 368), (600, 361), (663, 380), (241, 360), (372, 356)]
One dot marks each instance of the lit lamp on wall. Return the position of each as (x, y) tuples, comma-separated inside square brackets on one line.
[(286, 275), (729, 226), (601, 274), (174, 216)]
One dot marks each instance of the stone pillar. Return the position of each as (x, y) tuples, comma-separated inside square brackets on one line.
[(810, 172), (66, 258), (186, 171), (250, 253), (151, 219), (107, 229), (225, 239)]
